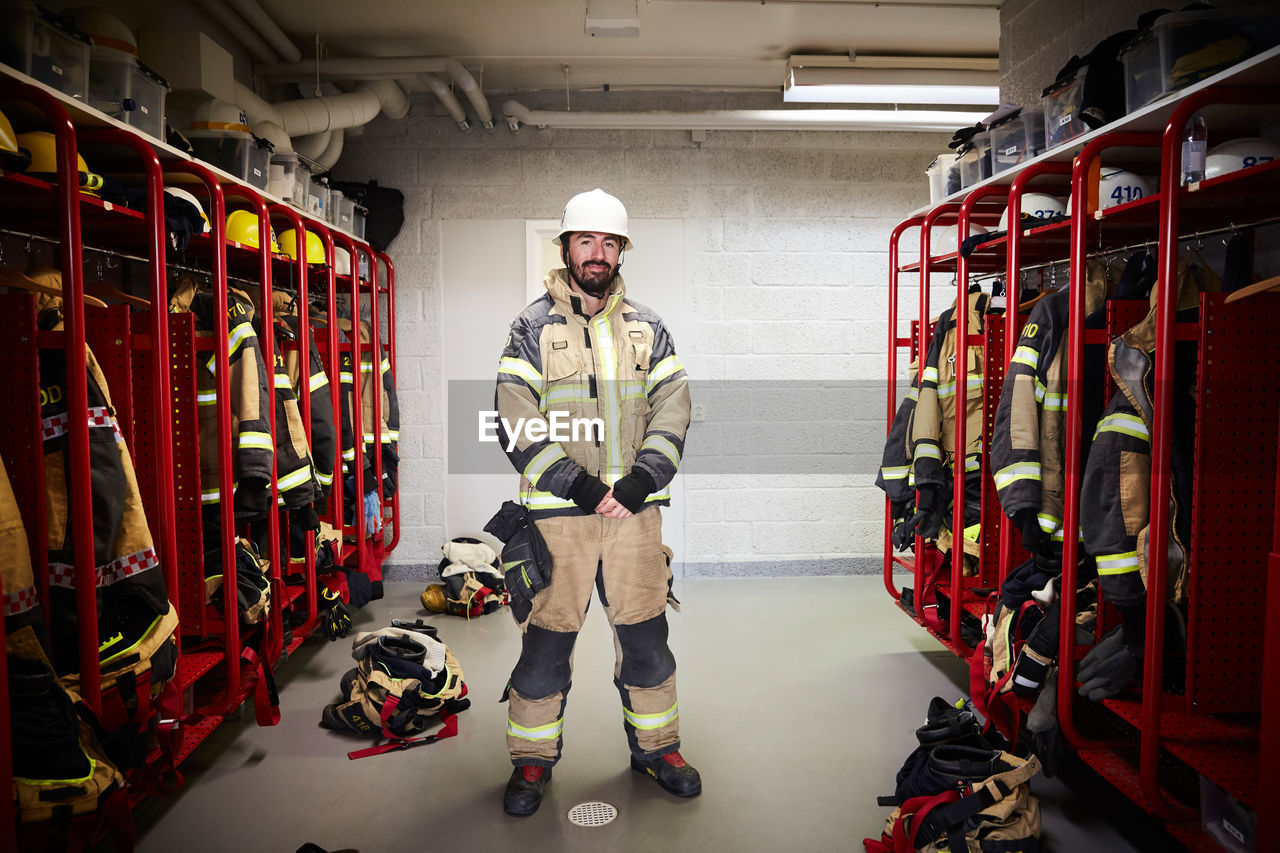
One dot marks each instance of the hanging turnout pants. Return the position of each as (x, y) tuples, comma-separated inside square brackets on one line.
[(623, 560)]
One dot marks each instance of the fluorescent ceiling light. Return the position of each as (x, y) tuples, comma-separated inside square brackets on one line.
[(851, 85)]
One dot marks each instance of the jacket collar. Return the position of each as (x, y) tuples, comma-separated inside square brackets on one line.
[(570, 303)]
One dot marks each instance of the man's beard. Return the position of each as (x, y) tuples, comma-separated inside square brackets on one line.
[(594, 277)]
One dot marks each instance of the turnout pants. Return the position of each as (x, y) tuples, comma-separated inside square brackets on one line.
[(623, 560)]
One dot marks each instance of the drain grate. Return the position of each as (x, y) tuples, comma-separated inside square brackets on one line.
[(592, 814)]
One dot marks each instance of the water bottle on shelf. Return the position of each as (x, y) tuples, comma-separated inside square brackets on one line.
[(1194, 145)]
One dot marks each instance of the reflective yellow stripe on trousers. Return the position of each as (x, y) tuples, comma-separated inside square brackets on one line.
[(547, 732), (649, 722)]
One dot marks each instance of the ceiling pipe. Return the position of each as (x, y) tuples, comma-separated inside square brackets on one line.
[(463, 78), (226, 17), (446, 97), (311, 147), (264, 117), (329, 156), (359, 68), (328, 112), (266, 27), (517, 115), (394, 103), (389, 67)]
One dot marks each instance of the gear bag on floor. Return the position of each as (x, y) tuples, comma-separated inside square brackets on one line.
[(403, 680), (996, 815)]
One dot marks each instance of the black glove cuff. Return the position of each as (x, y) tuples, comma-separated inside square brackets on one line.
[(632, 489), (587, 492), (1134, 625), (927, 496)]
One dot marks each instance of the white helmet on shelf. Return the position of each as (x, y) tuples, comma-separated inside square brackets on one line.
[(1239, 154), (341, 261), (1120, 186), (185, 195), (944, 239), (595, 211), (105, 29), (1037, 206), (215, 117)]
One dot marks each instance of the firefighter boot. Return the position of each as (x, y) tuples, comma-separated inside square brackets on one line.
[(524, 789), (672, 773)]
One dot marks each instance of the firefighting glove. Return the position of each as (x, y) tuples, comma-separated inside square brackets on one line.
[(631, 490), (1109, 667), (930, 509), (587, 492), (526, 562), (1042, 725), (336, 616), (1033, 535), (372, 513), (904, 534)]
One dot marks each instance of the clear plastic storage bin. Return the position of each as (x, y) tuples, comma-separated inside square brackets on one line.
[(937, 174), (44, 46), (1062, 121), (1017, 140), (975, 160), (1227, 821), (240, 155), (127, 90), (1182, 48), (318, 198), (344, 212), (357, 221), (288, 179)]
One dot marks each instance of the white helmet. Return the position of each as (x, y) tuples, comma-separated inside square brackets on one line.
[(105, 29), (944, 239), (341, 261), (594, 211), (1120, 186), (1037, 206), (178, 192), (219, 118), (1239, 154)]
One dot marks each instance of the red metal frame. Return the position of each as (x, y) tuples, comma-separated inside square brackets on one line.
[(390, 290), (1071, 462), (892, 387), (304, 397)]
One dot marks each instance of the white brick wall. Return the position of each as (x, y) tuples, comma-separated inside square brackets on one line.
[(786, 236)]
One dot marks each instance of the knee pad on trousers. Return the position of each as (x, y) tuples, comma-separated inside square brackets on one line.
[(543, 668), (646, 659)]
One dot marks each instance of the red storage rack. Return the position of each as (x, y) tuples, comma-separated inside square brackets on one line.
[(149, 359), (1153, 746)]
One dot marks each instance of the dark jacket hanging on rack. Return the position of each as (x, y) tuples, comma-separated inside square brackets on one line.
[(323, 437), (1117, 480)]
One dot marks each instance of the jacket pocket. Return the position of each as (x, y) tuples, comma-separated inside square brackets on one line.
[(561, 363)]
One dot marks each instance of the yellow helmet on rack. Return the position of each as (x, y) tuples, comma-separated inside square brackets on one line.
[(11, 156), (42, 147), (242, 227), (315, 246)]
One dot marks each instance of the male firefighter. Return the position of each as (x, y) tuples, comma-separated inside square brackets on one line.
[(586, 352)]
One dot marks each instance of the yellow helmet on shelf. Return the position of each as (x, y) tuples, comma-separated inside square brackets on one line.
[(315, 246), (42, 147), (242, 227), (11, 156)]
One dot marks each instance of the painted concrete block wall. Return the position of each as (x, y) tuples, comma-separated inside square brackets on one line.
[(785, 267)]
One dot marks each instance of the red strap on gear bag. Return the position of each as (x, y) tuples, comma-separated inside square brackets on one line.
[(448, 730), (999, 709)]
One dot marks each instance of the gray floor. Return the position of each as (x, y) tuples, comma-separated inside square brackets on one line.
[(799, 700)]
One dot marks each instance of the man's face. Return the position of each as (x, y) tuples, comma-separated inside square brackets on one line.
[(593, 260)]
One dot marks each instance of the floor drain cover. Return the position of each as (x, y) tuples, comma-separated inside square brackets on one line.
[(592, 814)]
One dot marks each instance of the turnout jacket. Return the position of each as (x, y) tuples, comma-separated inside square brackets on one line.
[(894, 476), (619, 367), (388, 435), (252, 446), (1028, 441), (133, 604), (933, 425), (316, 384), (1115, 509)]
